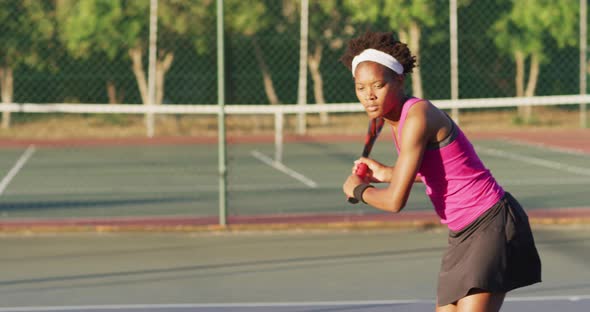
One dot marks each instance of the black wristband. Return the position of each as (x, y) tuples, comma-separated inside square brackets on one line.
[(359, 190)]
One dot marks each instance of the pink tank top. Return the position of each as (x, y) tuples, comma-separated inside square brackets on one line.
[(458, 184)]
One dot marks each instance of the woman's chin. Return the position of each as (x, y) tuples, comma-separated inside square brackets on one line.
[(374, 114)]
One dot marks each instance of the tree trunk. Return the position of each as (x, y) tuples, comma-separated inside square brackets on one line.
[(414, 45), (412, 38), (162, 67), (533, 75), (531, 85), (7, 90), (314, 61), (266, 76), (519, 59), (139, 72), (404, 36), (114, 98)]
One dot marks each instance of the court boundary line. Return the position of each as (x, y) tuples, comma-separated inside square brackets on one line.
[(534, 160), (284, 169), (211, 305), (16, 168), (295, 185), (418, 218), (553, 148), (572, 298), (548, 298)]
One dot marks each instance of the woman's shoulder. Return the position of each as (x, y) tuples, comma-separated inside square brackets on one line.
[(425, 114), (416, 106), (416, 114), (412, 100)]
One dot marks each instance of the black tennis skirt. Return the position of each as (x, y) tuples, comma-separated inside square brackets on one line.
[(495, 253)]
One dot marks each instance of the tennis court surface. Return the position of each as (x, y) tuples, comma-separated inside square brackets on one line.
[(126, 198), (177, 182), (388, 270), (573, 304)]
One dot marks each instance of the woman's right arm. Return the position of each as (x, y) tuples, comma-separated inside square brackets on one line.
[(380, 173)]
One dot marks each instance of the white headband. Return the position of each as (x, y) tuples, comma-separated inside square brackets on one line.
[(378, 57)]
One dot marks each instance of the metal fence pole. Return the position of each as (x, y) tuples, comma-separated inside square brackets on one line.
[(454, 57), (302, 86), (221, 117), (583, 63), (153, 52)]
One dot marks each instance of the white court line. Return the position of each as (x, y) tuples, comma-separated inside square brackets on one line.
[(268, 304), (547, 181), (210, 305), (548, 298), (284, 169), (16, 168), (565, 150), (534, 161)]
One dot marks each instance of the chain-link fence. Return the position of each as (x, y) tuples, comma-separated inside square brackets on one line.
[(95, 51)]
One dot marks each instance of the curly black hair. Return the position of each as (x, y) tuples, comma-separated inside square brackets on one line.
[(383, 41)]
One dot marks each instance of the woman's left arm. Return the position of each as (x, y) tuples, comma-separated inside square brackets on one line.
[(414, 138)]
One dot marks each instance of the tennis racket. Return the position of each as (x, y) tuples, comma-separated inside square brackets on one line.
[(375, 126)]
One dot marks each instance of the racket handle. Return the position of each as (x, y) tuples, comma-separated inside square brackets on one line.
[(361, 171)]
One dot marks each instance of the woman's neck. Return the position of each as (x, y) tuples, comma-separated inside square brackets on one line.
[(393, 116)]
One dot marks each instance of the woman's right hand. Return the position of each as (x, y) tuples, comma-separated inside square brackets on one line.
[(377, 173)]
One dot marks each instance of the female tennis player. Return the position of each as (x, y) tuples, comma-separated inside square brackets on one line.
[(491, 249)]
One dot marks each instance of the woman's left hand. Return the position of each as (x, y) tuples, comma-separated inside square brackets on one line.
[(351, 182), (377, 173)]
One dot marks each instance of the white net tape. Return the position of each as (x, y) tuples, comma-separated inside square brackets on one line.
[(283, 109)]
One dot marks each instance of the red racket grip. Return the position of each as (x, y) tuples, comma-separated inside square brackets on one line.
[(361, 171)]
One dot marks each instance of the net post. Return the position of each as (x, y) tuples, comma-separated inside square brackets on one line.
[(279, 126), (583, 116)]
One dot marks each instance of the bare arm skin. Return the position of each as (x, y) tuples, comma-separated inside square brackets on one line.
[(378, 172), (423, 124), (413, 143)]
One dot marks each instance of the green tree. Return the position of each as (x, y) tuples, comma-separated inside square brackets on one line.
[(248, 19), (119, 28), (329, 28), (27, 33), (523, 34)]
